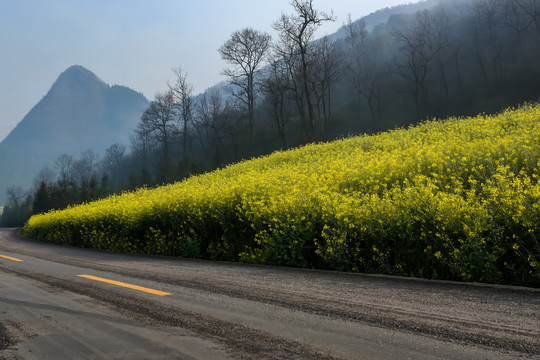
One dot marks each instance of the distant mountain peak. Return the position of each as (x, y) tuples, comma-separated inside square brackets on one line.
[(76, 80), (78, 72), (79, 112)]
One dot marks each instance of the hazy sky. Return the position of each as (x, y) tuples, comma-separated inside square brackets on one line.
[(131, 42)]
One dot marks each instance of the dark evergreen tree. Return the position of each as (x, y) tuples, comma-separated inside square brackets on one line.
[(41, 200)]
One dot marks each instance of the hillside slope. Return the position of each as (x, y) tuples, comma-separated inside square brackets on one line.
[(454, 199)]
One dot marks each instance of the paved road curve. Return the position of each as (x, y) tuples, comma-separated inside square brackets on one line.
[(60, 303)]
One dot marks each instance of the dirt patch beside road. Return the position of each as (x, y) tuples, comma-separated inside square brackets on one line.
[(5, 340)]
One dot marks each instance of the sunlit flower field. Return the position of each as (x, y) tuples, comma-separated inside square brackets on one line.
[(453, 199)]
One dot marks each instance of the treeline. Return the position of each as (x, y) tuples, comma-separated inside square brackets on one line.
[(460, 57), (71, 181)]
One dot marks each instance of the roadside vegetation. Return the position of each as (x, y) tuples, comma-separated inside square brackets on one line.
[(454, 199)]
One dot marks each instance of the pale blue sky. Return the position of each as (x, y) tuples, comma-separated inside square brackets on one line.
[(130, 42)]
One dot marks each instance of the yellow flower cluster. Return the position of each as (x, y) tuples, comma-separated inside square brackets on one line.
[(455, 199)]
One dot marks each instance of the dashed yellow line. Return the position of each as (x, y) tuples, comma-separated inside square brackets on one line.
[(10, 258), (119, 283)]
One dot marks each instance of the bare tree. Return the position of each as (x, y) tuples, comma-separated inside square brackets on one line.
[(158, 123), (227, 122), (245, 51), (64, 165), (217, 122), (296, 32), (531, 13), (85, 166), (46, 175), (222, 120), (487, 44), (61, 194), (15, 195), (518, 15), (290, 63), (210, 109), (440, 41), (512, 18), (327, 68), (183, 92), (417, 47), (523, 18), (113, 160), (276, 88), (363, 68), (202, 120), (141, 143)]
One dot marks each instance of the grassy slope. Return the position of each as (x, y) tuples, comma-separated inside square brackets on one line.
[(452, 199)]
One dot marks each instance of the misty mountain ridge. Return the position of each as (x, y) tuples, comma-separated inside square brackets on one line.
[(76, 112), (79, 112), (381, 16)]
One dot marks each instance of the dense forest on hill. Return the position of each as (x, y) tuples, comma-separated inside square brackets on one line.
[(456, 58)]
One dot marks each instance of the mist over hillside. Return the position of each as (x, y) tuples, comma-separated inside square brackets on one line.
[(381, 16), (78, 113)]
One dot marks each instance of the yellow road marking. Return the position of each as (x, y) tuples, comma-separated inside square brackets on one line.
[(118, 283), (10, 258)]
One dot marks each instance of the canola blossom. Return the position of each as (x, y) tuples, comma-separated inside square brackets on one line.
[(451, 199)]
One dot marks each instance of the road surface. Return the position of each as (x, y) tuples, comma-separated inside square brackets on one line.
[(71, 303)]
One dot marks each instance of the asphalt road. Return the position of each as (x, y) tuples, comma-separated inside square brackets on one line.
[(70, 303)]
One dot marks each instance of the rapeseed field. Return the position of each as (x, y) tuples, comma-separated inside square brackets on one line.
[(453, 199)]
